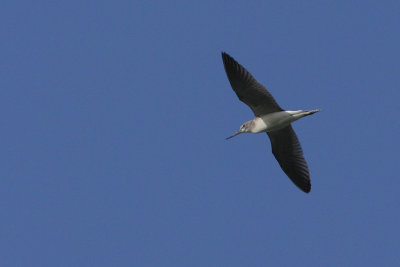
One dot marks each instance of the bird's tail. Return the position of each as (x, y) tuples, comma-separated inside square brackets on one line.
[(310, 112)]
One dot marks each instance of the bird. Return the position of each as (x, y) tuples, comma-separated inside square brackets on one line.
[(270, 118)]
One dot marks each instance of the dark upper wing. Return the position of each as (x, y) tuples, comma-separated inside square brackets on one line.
[(249, 91), (287, 151)]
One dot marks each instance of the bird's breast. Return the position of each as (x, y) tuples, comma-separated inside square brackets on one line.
[(259, 125)]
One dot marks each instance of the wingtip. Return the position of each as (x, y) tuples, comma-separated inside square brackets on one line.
[(224, 55), (229, 61), (306, 188)]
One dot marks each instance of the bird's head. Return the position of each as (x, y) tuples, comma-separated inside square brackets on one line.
[(244, 128)]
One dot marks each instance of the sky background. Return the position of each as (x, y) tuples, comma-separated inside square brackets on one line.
[(113, 123)]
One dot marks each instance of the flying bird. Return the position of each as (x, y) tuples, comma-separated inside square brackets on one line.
[(272, 119)]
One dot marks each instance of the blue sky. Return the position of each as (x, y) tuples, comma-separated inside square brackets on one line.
[(113, 119)]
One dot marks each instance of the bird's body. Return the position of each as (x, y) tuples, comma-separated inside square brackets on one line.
[(278, 120), (272, 119)]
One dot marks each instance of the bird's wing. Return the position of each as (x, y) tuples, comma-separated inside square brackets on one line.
[(249, 91), (287, 151)]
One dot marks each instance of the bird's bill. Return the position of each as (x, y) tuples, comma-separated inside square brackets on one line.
[(233, 135)]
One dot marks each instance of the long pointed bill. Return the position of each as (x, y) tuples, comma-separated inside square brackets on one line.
[(233, 135)]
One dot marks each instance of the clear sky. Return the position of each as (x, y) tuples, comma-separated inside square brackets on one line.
[(113, 123)]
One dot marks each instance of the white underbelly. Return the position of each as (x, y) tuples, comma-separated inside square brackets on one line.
[(274, 121)]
